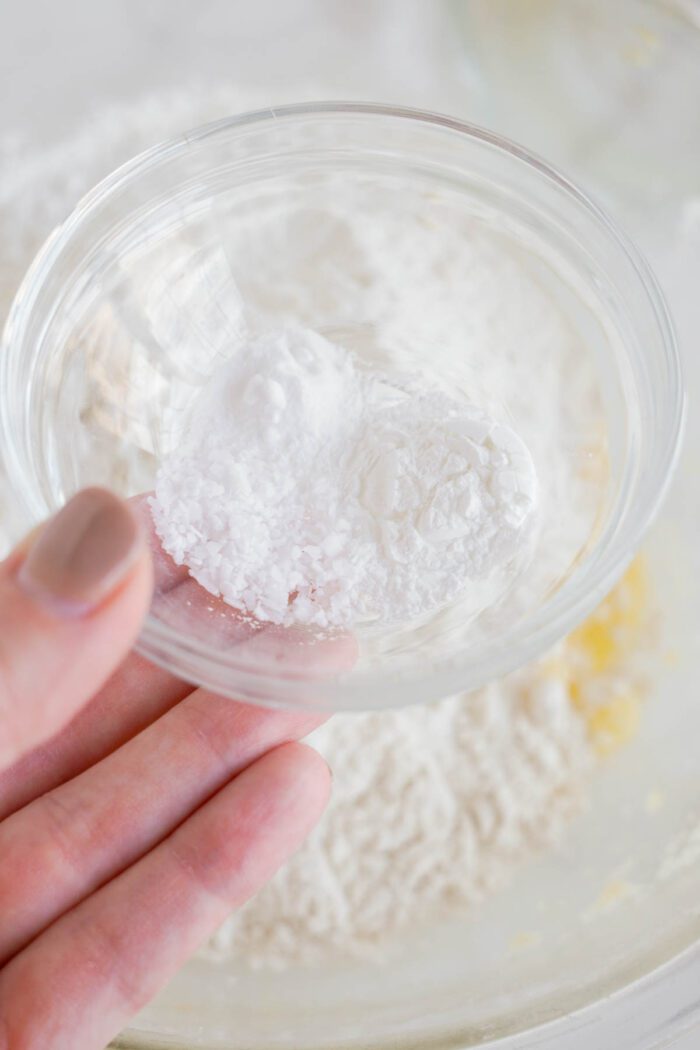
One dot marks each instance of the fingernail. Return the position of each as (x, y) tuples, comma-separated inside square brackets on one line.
[(82, 554)]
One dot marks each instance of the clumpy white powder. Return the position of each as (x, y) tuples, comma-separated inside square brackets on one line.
[(432, 807), (304, 490)]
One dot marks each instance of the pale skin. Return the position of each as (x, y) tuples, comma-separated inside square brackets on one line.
[(135, 810)]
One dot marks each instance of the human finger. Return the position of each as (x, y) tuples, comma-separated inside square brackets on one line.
[(106, 958), (71, 604), (136, 694), (65, 844)]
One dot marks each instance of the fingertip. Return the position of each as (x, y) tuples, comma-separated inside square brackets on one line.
[(83, 555), (137, 587), (314, 763), (306, 770), (167, 575), (71, 608)]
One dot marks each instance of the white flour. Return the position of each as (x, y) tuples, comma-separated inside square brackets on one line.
[(364, 495), (432, 807)]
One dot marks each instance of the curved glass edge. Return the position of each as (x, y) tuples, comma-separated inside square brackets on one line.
[(562, 615), (653, 1011)]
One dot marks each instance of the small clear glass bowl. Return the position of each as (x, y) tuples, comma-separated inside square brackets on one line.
[(128, 309)]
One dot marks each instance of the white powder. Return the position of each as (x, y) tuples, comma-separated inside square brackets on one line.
[(432, 807), (409, 282), (364, 495)]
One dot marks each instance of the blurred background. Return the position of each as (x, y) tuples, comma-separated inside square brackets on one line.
[(608, 90), (573, 75), (62, 61)]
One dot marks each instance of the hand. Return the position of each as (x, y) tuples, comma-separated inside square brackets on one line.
[(135, 810)]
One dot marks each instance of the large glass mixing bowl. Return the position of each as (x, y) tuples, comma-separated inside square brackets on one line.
[(131, 305), (593, 946)]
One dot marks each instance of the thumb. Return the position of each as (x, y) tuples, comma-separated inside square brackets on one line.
[(72, 599)]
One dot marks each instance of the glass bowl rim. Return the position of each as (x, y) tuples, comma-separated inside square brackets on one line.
[(531, 636), (660, 1004)]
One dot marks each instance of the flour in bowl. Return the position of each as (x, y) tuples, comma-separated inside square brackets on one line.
[(432, 809)]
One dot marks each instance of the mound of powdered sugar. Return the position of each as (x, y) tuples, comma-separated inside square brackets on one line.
[(360, 494), (432, 807)]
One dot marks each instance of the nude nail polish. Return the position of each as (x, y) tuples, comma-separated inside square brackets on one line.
[(83, 554)]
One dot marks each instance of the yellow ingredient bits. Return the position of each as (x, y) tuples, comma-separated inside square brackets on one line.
[(614, 723), (614, 629), (607, 697), (595, 640)]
